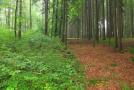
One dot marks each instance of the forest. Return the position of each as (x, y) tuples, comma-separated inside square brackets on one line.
[(66, 44)]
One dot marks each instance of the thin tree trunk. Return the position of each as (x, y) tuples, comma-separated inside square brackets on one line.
[(15, 22)]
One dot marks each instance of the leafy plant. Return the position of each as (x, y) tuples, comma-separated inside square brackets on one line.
[(132, 59), (37, 63), (125, 86), (114, 65)]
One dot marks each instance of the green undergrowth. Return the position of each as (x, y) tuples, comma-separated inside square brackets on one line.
[(114, 65), (131, 59), (37, 62), (98, 81), (125, 86), (109, 42), (131, 50)]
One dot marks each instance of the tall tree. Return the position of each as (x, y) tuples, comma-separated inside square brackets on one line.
[(15, 22), (20, 20), (30, 8), (46, 15)]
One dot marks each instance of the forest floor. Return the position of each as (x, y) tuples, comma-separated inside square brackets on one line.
[(105, 67)]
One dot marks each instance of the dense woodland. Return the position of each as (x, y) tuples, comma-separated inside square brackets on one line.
[(35, 36), (108, 20)]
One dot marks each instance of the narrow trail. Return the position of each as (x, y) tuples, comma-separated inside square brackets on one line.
[(106, 68)]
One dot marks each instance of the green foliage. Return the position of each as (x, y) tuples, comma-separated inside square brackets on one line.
[(132, 59), (114, 65), (125, 86), (97, 81), (74, 9), (37, 63), (5, 35), (131, 50), (110, 42), (93, 82)]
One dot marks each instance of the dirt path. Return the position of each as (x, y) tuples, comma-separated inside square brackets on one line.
[(106, 69)]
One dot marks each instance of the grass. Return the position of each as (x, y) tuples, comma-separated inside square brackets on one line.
[(98, 81), (110, 42), (37, 62), (93, 82), (125, 86), (132, 59), (114, 65), (131, 50)]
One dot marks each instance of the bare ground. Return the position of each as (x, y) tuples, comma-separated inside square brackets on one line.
[(106, 68)]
